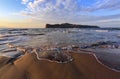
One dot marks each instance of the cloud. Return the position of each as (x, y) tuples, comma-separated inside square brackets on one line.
[(103, 21), (105, 5), (53, 9), (25, 1), (68, 10)]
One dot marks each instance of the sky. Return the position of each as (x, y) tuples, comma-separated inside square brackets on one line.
[(37, 13)]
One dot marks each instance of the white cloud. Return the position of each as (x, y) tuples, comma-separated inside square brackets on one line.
[(67, 10), (25, 1), (106, 5), (52, 9)]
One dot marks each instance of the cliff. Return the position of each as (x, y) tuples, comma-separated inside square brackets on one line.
[(67, 25)]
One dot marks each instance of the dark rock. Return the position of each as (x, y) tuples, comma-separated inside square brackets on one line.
[(67, 25)]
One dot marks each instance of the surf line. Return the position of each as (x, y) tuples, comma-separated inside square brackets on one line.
[(34, 50)]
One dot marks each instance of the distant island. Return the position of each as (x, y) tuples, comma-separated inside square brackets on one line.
[(68, 25)]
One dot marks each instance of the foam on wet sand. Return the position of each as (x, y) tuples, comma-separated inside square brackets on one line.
[(84, 66)]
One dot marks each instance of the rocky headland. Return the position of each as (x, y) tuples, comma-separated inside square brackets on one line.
[(68, 25)]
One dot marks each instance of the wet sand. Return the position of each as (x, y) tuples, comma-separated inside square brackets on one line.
[(110, 57), (84, 66)]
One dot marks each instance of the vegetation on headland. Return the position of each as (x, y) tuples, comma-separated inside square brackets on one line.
[(67, 25)]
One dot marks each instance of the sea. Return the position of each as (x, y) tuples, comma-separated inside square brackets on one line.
[(105, 43)]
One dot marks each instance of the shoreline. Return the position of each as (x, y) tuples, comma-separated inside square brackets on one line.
[(83, 63)]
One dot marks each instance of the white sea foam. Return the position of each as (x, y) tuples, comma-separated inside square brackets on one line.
[(101, 30)]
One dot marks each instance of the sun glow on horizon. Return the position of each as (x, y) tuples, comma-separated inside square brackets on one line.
[(20, 24)]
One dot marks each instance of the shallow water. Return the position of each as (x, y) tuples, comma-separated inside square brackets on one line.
[(39, 37), (52, 39)]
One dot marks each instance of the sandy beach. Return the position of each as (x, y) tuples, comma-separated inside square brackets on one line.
[(60, 39), (84, 66)]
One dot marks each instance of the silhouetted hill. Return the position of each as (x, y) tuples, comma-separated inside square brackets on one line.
[(67, 25)]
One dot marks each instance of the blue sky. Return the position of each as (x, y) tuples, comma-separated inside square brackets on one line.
[(36, 13), (10, 6)]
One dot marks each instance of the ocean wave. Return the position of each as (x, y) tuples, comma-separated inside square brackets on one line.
[(101, 30)]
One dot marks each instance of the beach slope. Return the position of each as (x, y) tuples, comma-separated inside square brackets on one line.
[(84, 66)]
